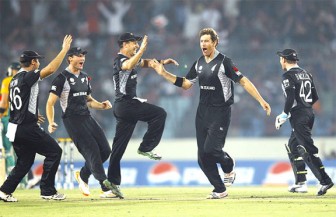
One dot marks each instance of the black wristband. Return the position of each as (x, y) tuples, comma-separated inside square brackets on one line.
[(179, 81), (2, 110), (159, 61), (145, 64)]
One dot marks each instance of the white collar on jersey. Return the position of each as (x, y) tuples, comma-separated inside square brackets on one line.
[(77, 75), (294, 66)]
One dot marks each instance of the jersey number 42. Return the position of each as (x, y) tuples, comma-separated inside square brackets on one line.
[(306, 92)]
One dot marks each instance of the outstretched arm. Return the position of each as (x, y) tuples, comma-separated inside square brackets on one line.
[(55, 63), (178, 81), (131, 62), (252, 90), (146, 62)]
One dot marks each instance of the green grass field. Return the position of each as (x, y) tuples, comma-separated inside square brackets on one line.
[(174, 201)]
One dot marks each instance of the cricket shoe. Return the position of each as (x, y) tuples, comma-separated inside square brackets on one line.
[(324, 188), (114, 188), (7, 197), (107, 194), (298, 188), (57, 196), (229, 178), (215, 195), (150, 155), (83, 187)]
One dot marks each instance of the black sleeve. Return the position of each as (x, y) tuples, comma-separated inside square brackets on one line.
[(120, 60), (32, 77), (290, 93), (89, 85), (57, 85), (231, 70), (192, 74), (289, 89), (118, 63), (314, 91)]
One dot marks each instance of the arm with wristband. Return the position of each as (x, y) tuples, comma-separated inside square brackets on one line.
[(176, 80)]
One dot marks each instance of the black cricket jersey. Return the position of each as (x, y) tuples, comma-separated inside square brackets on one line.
[(125, 81), (299, 89), (215, 80), (73, 91), (23, 97)]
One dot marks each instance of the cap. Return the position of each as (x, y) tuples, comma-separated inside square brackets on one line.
[(76, 51), (128, 36), (15, 65), (289, 54), (28, 55)]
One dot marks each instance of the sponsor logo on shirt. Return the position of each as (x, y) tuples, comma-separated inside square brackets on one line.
[(53, 88), (208, 88), (134, 76), (14, 83), (79, 94), (285, 83)]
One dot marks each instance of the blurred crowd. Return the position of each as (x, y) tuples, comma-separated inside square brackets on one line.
[(250, 31)]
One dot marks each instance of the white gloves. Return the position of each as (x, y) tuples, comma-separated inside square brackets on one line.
[(280, 119)]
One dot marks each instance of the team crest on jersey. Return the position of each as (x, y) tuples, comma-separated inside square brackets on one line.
[(200, 69), (83, 80), (53, 88), (285, 83), (72, 81), (213, 68)]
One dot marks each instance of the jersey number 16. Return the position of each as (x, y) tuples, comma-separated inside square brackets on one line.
[(15, 98)]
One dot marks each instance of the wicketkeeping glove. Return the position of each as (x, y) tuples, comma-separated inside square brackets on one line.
[(281, 119)]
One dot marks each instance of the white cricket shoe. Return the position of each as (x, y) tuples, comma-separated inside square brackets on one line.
[(215, 195), (298, 188), (7, 197), (83, 187), (57, 196), (229, 178), (107, 194)]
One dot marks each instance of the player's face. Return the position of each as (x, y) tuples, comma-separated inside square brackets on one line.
[(77, 61), (132, 47), (207, 45), (35, 63)]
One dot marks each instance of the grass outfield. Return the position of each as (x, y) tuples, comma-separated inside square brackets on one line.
[(176, 201)]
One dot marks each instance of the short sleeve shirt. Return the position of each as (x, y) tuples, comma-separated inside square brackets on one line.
[(72, 91), (215, 80), (23, 98), (125, 81)]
